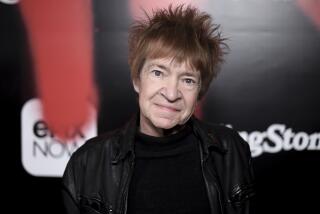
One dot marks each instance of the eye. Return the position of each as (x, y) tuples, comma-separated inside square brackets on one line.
[(157, 73), (189, 81)]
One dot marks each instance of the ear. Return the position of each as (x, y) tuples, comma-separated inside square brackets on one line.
[(136, 85)]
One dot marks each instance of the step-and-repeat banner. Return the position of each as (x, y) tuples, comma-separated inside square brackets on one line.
[(73, 54)]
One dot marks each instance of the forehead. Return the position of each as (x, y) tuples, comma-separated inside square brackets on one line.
[(170, 64)]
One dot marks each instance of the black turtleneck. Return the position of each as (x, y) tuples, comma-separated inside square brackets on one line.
[(167, 176)]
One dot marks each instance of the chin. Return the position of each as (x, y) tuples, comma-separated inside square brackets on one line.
[(164, 123)]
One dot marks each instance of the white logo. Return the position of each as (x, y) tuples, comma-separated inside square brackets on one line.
[(9, 1), (279, 138), (43, 154)]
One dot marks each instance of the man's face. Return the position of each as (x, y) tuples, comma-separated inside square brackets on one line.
[(168, 94)]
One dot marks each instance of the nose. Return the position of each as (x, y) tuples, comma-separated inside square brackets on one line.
[(171, 91)]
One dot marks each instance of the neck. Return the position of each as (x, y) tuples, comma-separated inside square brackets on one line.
[(148, 128)]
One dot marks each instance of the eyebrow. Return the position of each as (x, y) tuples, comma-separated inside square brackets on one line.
[(160, 66), (184, 73), (189, 74)]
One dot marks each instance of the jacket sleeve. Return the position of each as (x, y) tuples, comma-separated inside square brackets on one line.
[(70, 205), (245, 197), (68, 190)]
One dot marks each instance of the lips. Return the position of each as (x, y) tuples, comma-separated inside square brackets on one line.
[(168, 108)]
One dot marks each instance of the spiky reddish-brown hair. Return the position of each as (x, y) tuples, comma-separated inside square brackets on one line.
[(182, 33)]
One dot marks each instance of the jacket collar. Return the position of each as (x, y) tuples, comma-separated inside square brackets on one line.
[(207, 138), (127, 137)]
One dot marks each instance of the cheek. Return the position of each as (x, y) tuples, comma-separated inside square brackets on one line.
[(191, 101), (149, 89)]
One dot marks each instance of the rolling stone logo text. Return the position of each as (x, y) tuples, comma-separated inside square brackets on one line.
[(278, 138)]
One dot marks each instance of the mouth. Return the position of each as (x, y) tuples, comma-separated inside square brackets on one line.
[(168, 108)]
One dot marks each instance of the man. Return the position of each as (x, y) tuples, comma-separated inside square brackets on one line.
[(165, 160)]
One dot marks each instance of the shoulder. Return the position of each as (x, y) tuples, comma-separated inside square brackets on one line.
[(224, 132), (228, 138), (220, 129), (96, 147), (87, 158)]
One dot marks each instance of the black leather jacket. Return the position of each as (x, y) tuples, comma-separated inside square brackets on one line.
[(97, 177)]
